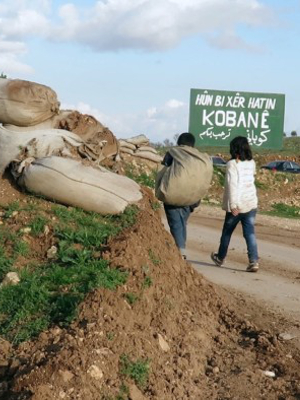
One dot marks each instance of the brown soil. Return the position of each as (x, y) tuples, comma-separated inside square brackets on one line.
[(196, 337)]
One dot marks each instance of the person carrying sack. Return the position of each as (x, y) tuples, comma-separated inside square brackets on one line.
[(181, 184)]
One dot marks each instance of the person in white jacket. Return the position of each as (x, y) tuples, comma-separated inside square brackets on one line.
[(239, 202)]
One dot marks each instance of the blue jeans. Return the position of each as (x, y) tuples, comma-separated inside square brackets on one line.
[(247, 220), (177, 219)]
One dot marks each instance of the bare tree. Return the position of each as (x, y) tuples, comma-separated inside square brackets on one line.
[(175, 137), (168, 143)]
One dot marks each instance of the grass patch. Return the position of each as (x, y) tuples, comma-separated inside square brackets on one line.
[(147, 282), (141, 178), (50, 293), (220, 173), (21, 248), (14, 206), (131, 298), (261, 185), (155, 260), (138, 370), (6, 263), (284, 211), (37, 225), (155, 205)]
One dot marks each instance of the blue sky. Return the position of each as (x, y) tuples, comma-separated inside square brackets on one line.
[(132, 63)]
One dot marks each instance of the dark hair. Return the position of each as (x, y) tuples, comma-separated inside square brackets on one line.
[(240, 148), (186, 139)]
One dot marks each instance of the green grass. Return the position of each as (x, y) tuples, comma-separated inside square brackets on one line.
[(50, 293), (6, 263), (220, 173), (141, 178), (14, 206), (155, 205), (137, 370), (37, 225), (155, 260), (131, 298), (261, 185), (21, 248), (147, 282), (284, 211)]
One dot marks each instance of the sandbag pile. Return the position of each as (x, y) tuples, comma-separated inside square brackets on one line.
[(138, 146), (48, 150), (27, 106)]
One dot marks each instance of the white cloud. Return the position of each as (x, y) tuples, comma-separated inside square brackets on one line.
[(10, 52), (8, 46), (157, 123), (10, 65), (230, 40), (148, 25), (152, 25), (24, 23)]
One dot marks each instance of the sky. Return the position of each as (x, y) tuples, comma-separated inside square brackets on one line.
[(132, 63)]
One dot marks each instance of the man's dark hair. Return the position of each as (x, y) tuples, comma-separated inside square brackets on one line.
[(240, 148), (186, 139)]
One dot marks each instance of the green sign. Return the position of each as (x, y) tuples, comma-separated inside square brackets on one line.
[(216, 117)]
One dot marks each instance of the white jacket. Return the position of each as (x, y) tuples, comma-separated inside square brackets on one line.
[(240, 190)]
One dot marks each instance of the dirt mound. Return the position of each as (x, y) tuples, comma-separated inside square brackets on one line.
[(166, 334)]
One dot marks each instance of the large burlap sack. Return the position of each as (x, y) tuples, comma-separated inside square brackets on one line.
[(54, 122), (84, 125), (126, 150), (148, 155), (25, 103), (187, 179), (147, 148), (35, 144), (139, 140), (99, 142), (70, 182), (123, 143)]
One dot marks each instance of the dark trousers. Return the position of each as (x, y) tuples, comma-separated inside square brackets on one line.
[(177, 219), (247, 220)]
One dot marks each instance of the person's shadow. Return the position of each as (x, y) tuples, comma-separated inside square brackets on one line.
[(205, 264)]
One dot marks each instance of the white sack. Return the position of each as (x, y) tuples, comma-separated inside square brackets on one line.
[(25, 103), (40, 143), (126, 150), (51, 123), (147, 148), (148, 155), (187, 179), (70, 182), (138, 140), (128, 145)]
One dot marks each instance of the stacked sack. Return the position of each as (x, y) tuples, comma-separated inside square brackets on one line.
[(53, 162), (138, 146)]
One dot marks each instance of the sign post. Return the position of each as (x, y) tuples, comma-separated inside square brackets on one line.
[(216, 117)]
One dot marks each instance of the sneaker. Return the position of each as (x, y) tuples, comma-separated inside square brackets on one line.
[(183, 253), (253, 267), (217, 260)]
